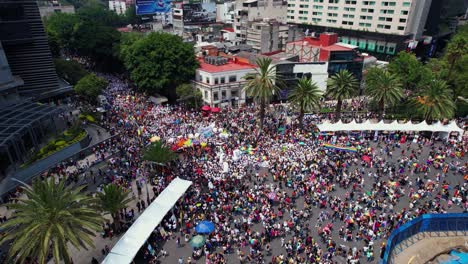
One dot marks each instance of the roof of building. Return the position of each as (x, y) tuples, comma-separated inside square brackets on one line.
[(336, 47), (230, 66)]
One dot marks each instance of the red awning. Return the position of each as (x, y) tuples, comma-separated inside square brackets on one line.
[(206, 108), (215, 110)]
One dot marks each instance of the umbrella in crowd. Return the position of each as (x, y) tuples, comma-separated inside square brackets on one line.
[(215, 110), (366, 158), (206, 108), (205, 227), (197, 241)]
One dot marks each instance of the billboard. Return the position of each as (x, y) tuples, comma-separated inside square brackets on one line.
[(199, 13), (149, 7)]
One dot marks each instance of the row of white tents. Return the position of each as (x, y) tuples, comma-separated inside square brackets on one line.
[(367, 125)]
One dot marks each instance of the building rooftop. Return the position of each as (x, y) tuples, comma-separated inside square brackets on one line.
[(232, 65), (336, 47)]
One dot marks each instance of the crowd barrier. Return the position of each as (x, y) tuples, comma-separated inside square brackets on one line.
[(432, 225)]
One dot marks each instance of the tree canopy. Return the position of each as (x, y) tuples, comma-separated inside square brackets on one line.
[(90, 86), (159, 62), (187, 94), (50, 218), (383, 87), (435, 101), (305, 97), (159, 153), (342, 85), (409, 70), (70, 70)]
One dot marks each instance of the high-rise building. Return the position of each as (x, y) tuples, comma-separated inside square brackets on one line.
[(26, 47), (378, 26)]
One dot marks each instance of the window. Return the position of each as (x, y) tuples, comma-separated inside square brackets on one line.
[(406, 4), (318, 1), (223, 80), (303, 12), (206, 94), (401, 28), (289, 5), (207, 80), (223, 94), (303, 6), (234, 93), (350, 2), (386, 11), (365, 24), (404, 12), (331, 20), (316, 19), (368, 10), (368, 3), (233, 78), (216, 80), (317, 7), (332, 14), (302, 18), (332, 8), (291, 17), (333, 1), (352, 9), (389, 19), (317, 13), (348, 16), (215, 96), (366, 17), (347, 23), (381, 18), (402, 20)]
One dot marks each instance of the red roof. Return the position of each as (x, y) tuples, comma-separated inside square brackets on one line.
[(230, 66), (336, 47)]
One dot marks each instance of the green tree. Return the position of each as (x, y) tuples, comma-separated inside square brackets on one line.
[(305, 97), (114, 199), (70, 70), (51, 217), (98, 14), (341, 86), (90, 86), (456, 49), (159, 62), (60, 29), (159, 153), (383, 87), (435, 101), (190, 96), (97, 42), (262, 85), (410, 70)]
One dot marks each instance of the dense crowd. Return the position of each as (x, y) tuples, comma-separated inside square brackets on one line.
[(278, 196)]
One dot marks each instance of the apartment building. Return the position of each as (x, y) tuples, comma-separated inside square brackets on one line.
[(266, 35), (248, 11), (119, 7), (378, 26), (221, 79)]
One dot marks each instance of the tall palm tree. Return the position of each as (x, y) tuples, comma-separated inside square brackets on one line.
[(305, 97), (435, 101), (343, 85), (262, 85), (159, 153), (51, 216), (113, 199), (383, 87)]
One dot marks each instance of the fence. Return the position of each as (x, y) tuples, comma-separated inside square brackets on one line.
[(432, 225)]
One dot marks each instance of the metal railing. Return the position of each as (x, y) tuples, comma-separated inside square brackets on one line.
[(423, 227)]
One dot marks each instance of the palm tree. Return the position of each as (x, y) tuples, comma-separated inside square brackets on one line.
[(343, 85), (113, 199), (435, 101), (262, 85), (159, 153), (383, 87), (305, 97), (51, 216)]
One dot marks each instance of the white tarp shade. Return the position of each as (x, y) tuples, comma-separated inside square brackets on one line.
[(393, 126), (128, 245)]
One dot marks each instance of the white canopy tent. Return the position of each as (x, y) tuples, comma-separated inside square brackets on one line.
[(327, 126), (129, 244)]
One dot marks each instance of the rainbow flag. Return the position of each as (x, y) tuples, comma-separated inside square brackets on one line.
[(335, 147)]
